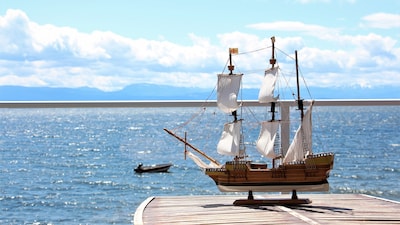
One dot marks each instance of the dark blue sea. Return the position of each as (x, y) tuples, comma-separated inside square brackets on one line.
[(75, 165)]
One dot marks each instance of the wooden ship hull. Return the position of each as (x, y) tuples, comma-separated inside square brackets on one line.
[(239, 176)]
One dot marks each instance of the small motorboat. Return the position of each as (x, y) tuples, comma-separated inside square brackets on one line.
[(157, 168)]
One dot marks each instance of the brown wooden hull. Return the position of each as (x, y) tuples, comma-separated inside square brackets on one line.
[(308, 175)]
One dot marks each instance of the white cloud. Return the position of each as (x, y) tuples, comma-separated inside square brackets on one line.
[(45, 55), (382, 21), (62, 56), (294, 26)]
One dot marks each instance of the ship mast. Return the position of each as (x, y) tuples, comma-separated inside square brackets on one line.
[(272, 61), (299, 100), (231, 67)]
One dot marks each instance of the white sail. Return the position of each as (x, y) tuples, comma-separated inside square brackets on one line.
[(200, 162), (266, 139), (266, 93), (228, 89), (302, 141), (230, 139)]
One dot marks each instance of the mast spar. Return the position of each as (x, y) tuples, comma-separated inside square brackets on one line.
[(192, 147), (299, 100)]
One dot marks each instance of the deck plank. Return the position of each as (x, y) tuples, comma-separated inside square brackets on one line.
[(324, 209)]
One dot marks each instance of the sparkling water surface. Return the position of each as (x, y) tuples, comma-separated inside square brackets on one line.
[(75, 165)]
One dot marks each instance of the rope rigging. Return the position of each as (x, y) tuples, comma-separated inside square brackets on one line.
[(282, 74)]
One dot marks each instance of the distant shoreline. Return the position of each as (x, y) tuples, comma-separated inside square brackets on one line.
[(103, 104), (183, 103)]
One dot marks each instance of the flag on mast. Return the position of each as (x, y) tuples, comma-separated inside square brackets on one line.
[(234, 51)]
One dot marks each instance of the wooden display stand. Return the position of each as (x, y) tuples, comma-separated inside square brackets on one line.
[(251, 201)]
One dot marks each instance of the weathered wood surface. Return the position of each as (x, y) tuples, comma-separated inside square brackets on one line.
[(324, 209)]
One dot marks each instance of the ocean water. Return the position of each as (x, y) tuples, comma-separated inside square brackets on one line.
[(75, 165)]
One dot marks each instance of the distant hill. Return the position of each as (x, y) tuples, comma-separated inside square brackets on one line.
[(165, 92), (133, 92)]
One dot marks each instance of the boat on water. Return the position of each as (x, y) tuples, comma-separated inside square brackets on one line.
[(292, 169), (157, 168)]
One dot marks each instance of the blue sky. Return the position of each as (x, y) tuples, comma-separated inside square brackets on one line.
[(112, 44)]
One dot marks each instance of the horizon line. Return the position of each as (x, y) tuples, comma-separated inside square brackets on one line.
[(185, 103)]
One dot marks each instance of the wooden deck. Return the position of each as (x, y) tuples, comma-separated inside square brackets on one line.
[(324, 209)]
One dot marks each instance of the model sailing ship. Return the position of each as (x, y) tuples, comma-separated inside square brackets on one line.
[(296, 168)]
